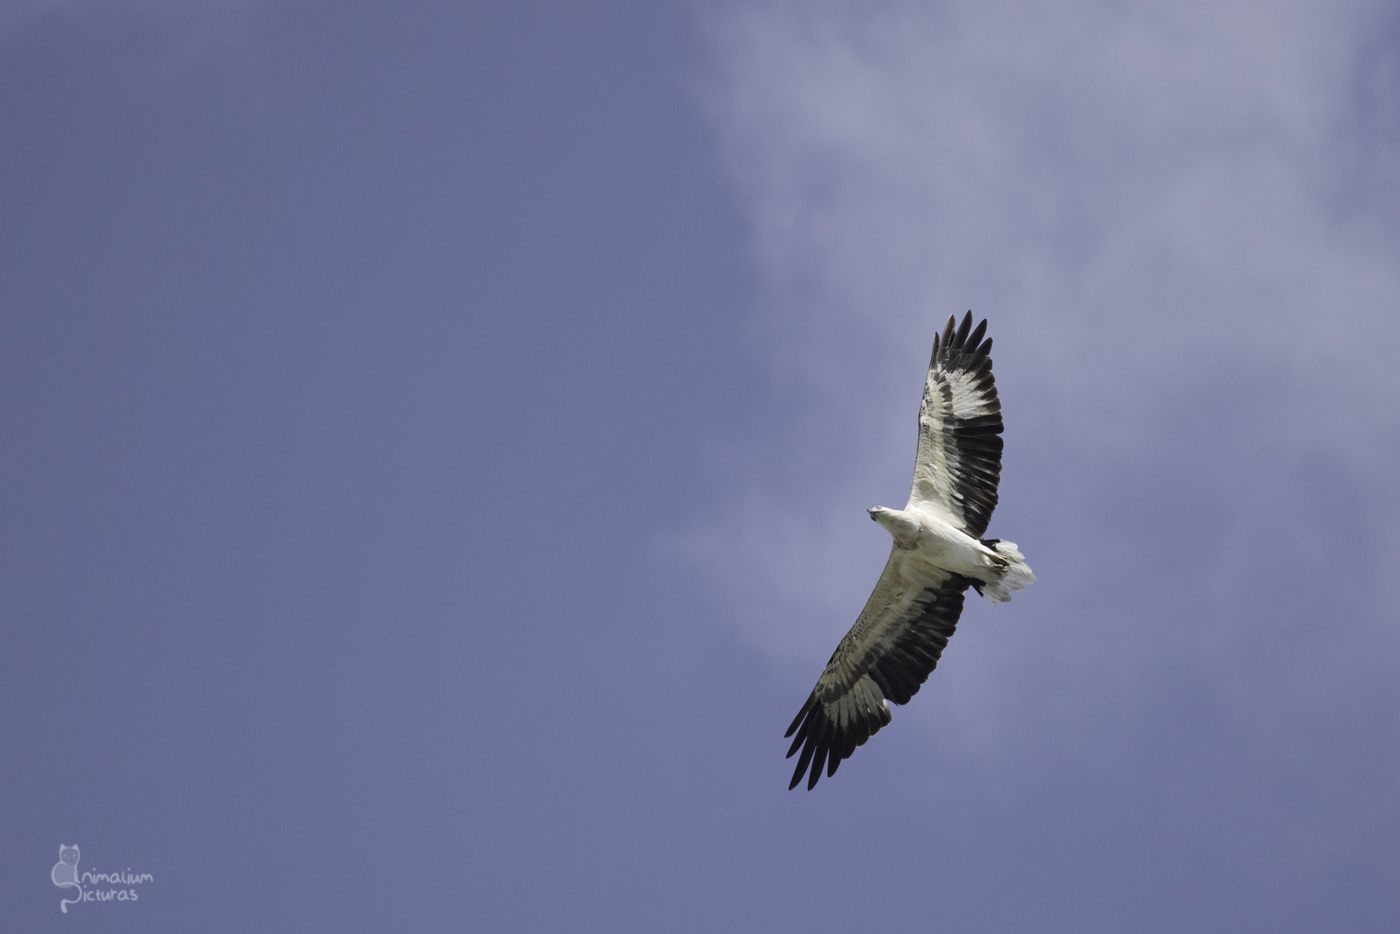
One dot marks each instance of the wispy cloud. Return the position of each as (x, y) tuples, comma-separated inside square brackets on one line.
[(1182, 221)]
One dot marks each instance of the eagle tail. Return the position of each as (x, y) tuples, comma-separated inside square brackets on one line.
[(1015, 576)]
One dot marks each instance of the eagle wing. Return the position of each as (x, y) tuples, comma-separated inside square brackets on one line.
[(958, 465), (889, 652)]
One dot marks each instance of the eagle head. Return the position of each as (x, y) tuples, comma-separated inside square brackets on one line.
[(895, 521)]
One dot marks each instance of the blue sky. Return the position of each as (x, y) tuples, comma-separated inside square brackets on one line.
[(436, 441)]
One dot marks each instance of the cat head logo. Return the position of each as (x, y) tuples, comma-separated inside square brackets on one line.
[(65, 874), (92, 885)]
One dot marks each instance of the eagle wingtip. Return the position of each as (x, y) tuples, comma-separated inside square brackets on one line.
[(961, 337), (801, 715), (816, 773), (974, 340)]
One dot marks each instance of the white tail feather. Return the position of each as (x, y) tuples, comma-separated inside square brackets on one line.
[(1015, 577)]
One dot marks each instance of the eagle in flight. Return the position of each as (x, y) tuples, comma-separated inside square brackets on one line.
[(938, 553)]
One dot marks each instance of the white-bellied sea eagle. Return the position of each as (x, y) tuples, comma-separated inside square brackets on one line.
[(938, 553)]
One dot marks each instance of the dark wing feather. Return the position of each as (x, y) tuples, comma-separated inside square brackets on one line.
[(958, 465), (888, 654)]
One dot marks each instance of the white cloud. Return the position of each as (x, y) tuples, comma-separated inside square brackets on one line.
[(1180, 219)]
